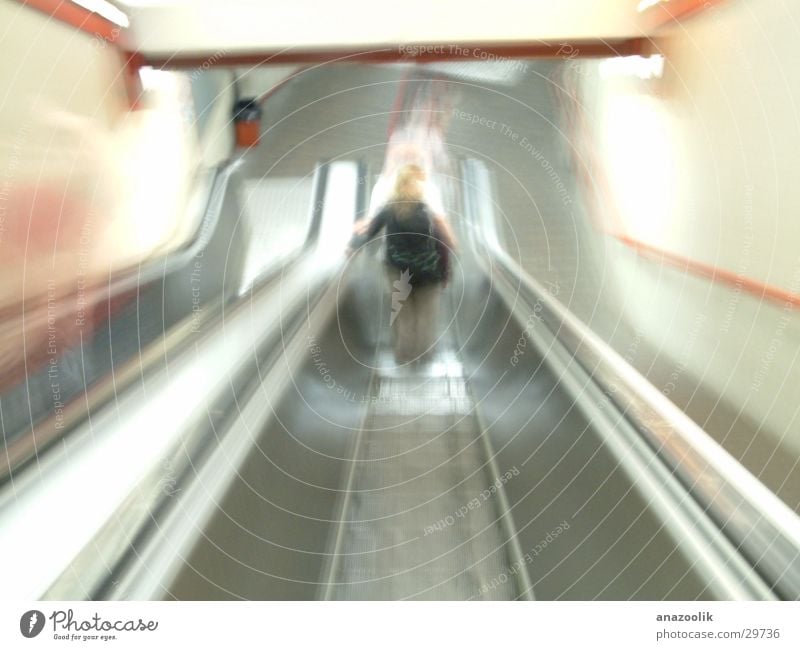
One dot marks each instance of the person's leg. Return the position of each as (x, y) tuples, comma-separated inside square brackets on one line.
[(426, 318), (404, 332), (401, 318)]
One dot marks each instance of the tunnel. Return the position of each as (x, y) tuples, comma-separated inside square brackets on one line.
[(202, 397)]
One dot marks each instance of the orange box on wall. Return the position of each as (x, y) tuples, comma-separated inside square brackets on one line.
[(248, 133), (247, 117)]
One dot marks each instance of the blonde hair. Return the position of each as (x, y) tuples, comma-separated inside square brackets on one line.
[(408, 189)]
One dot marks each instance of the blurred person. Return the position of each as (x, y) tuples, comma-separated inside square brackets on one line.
[(419, 242), (405, 148)]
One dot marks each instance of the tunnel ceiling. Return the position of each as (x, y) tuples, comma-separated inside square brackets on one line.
[(229, 27)]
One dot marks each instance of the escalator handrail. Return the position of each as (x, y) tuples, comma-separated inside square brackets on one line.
[(30, 444), (75, 565), (760, 525)]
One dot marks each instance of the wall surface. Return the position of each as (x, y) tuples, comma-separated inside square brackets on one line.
[(89, 183), (698, 170)]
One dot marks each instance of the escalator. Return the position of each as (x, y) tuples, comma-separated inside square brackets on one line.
[(522, 460), (469, 476), (318, 468)]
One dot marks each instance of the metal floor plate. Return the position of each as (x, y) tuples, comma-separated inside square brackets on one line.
[(408, 530)]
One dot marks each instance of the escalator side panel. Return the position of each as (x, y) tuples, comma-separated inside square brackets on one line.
[(268, 539), (614, 546)]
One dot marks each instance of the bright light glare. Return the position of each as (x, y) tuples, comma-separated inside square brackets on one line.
[(158, 156), (646, 4), (642, 163), (644, 67), (154, 3), (153, 79), (336, 226), (106, 10)]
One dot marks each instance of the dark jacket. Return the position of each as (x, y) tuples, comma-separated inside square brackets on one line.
[(412, 243)]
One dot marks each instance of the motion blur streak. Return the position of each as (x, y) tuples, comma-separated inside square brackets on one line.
[(199, 393)]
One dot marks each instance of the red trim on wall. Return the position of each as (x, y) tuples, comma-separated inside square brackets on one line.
[(397, 106), (716, 274), (674, 11), (411, 53), (132, 63), (261, 99), (78, 17), (604, 214)]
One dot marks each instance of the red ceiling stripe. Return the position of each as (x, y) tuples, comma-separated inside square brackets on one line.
[(674, 11), (79, 17), (411, 53)]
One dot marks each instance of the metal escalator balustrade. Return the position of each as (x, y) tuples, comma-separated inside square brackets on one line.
[(745, 538), (322, 506), (114, 480), (280, 494)]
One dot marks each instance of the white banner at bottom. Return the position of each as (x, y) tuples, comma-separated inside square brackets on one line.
[(380, 626)]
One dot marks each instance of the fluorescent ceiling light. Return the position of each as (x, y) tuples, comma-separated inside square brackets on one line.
[(646, 4), (106, 10), (153, 3), (153, 79), (644, 67)]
